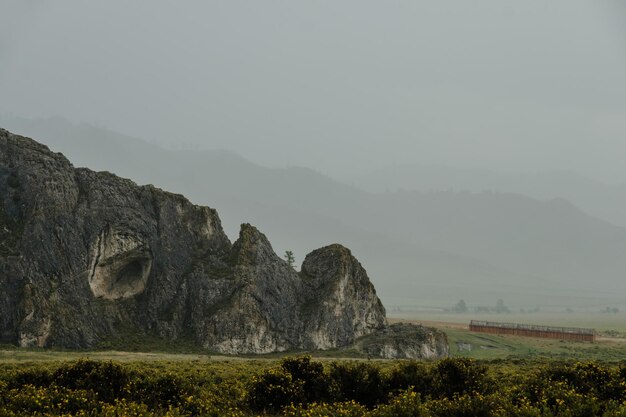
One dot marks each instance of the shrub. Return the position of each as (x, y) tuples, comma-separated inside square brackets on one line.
[(273, 390), (618, 411), (338, 409), (560, 399), (31, 400), (411, 374), (126, 409), (160, 391), (361, 382), (405, 404), (468, 406), (39, 377), (107, 379), (3, 394), (459, 376), (586, 378), (311, 375)]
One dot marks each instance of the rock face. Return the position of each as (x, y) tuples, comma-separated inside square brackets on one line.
[(405, 341), (86, 257)]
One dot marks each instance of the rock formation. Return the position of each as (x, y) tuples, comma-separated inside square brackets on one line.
[(405, 341), (88, 257)]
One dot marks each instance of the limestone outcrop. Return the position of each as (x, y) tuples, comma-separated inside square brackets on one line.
[(405, 341), (87, 257)]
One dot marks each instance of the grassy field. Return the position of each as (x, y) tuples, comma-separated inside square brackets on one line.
[(14, 355), (603, 323), (610, 346)]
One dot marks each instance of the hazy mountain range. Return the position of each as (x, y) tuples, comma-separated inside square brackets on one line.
[(606, 201), (427, 236)]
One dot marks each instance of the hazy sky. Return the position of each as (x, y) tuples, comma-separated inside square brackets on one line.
[(341, 86)]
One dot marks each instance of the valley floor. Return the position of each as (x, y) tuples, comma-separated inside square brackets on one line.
[(610, 344)]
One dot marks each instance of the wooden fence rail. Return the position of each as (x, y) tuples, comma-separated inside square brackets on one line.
[(531, 330)]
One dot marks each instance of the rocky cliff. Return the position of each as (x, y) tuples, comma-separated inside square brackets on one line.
[(88, 257)]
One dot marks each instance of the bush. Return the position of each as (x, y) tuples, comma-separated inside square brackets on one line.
[(467, 406), (560, 399), (411, 375), (273, 390), (616, 412), (361, 382), (31, 400), (108, 380), (160, 391), (3, 394), (405, 404), (311, 375), (126, 409), (38, 377), (459, 376), (338, 409), (586, 378)]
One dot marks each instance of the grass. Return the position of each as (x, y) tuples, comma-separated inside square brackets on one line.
[(600, 321), (488, 346)]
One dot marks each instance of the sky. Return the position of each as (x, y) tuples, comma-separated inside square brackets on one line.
[(341, 87)]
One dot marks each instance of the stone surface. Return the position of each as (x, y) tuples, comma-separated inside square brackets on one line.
[(120, 265), (87, 257), (405, 341)]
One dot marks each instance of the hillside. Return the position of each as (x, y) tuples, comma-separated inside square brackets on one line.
[(421, 247)]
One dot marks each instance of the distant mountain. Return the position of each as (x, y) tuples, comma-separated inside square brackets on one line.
[(602, 200), (430, 248)]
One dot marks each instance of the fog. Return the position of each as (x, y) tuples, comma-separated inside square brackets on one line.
[(341, 87), (460, 149)]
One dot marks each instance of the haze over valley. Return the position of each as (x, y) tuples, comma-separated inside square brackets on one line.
[(425, 246), (461, 150), (274, 208)]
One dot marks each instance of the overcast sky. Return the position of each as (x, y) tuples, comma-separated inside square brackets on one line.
[(340, 86)]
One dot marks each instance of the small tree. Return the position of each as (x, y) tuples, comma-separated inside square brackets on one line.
[(291, 260), (460, 307), (500, 307)]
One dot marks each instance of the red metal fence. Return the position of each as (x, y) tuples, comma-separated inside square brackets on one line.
[(530, 330)]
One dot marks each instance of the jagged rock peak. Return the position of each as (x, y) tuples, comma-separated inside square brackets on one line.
[(252, 247), (343, 296), (334, 262)]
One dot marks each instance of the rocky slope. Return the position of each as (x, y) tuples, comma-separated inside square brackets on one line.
[(87, 256), (405, 341)]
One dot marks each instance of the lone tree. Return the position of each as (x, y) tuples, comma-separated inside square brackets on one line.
[(460, 307), (500, 307), (291, 260)]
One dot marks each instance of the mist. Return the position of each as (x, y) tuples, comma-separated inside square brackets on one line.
[(342, 88), (459, 149)]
